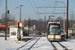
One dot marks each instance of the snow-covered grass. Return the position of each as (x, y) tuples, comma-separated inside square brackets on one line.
[(42, 44), (70, 40), (9, 45)]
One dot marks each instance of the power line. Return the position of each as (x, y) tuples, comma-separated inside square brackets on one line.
[(34, 3), (37, 8), (32, 6), (55, 6), (51, 7), (51, 13)]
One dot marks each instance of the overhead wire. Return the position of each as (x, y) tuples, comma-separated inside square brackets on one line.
[(55, 5), (32, 6), (37, 9)]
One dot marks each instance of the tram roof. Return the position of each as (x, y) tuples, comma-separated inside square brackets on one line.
[(54, 22)]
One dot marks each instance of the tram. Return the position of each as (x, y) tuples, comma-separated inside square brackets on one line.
[(53, 31)]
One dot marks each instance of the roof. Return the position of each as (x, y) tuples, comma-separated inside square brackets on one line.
[(53, 22)]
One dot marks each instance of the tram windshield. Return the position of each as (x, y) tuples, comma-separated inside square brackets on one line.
[(54, 30)]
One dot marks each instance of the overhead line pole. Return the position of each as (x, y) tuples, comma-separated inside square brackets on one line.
[(44, 24), (20, 14), (28, 25), (6, 22), (67, 18)]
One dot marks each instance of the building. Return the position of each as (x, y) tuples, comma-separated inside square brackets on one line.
[(9, 23)]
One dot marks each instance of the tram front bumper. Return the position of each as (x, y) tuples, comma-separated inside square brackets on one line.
[(54, 39)]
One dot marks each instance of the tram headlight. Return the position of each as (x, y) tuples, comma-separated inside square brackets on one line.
[(50, 36), (57, 36)]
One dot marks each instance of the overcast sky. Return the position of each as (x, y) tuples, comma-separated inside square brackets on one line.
[(29, 9)]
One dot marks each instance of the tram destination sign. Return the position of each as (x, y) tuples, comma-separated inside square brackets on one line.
[(54, 26)]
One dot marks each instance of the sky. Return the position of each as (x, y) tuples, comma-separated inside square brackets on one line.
[(29, 10)]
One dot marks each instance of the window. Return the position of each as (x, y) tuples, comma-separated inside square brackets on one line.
[(54, 30)]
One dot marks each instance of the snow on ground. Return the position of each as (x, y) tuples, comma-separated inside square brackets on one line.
[(29, 44), (68, 45), (42, 44), (70, 39), (58, 46), (9, 45)]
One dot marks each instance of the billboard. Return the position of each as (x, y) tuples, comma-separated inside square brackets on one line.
[(13, 33)]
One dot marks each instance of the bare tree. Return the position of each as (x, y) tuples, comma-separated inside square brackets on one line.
[(71, 20), (9, 17), (59, 19)]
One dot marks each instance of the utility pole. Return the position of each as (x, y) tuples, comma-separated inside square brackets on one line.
[(20, 13), (20, 24), (6, 22), (28, 25), (67, 18), (44, 24)]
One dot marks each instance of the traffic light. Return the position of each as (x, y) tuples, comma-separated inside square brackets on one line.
[(8, 12)]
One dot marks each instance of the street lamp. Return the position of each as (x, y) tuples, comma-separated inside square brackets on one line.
[(15, 13), (21, 23), (64, 15), (20, 12), (12, 13)]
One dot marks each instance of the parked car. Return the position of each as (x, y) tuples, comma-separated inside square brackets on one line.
[(38, 33)]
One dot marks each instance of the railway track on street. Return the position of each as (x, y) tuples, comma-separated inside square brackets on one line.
[(30, 43), (37, 43), (58, 46)]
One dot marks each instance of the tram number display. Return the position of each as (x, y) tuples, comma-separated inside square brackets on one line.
[(54, 26)]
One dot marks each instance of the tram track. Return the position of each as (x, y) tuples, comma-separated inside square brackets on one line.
[(33, 44), (29, 42), (55, 48), (62, 46)]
